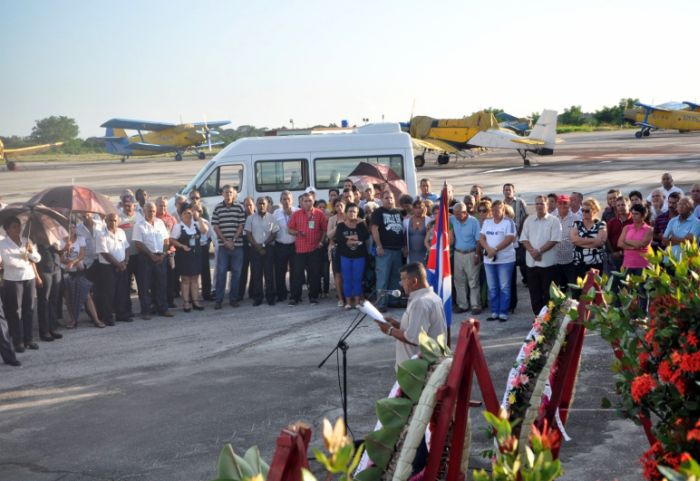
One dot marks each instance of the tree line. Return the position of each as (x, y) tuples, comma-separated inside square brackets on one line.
[(64, 129)]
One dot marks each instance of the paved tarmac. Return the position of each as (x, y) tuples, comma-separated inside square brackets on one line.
[(156, 400)]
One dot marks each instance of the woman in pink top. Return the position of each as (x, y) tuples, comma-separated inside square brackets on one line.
[(635, 239)]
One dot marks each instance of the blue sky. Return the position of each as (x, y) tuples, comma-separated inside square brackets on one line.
[(266, 62)]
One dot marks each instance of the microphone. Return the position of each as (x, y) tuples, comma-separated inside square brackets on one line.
[(391, 292)]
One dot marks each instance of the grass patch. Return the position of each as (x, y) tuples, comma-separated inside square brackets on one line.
[(566, 129)]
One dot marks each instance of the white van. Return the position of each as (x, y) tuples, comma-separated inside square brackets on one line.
[(269, 165)]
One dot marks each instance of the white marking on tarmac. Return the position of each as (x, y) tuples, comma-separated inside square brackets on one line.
[(506, 169), (606, 161), (56, 400)]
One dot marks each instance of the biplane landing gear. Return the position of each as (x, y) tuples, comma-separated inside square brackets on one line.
[(526, 161), (419, 161), (201, 155), (123, 159), (443, 159), (178, 156), (644, 132)]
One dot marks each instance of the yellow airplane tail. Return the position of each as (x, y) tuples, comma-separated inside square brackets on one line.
[(118, 133)]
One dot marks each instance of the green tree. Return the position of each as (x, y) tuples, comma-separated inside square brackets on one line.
[(535, 116), (494, 110), (54, 129), (572, 116)]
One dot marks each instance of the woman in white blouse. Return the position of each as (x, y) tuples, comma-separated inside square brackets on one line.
[(19, 284)]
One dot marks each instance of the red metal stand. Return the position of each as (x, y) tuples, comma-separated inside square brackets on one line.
[(290, 454), (453, 397)]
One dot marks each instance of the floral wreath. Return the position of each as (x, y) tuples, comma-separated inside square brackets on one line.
[(528, 389), (404, 417)]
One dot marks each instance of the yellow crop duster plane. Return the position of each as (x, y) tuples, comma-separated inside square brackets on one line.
[(481, 129), (684, 117), (160, 137), (9, 154)]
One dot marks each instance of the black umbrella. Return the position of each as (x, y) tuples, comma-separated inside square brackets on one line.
[(41, 224)]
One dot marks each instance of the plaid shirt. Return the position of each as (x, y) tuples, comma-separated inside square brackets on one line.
[(311, 227), (565, 248)]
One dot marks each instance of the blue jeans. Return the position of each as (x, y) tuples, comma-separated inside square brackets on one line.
[(387, 269), (227, 259), (498, 278), (353, 270)]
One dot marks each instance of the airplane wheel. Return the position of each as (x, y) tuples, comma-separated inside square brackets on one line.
[(123, 159), (638, 135), (419, 161), (202, 156), (647, 133), (11, 165), (443, 159), (178, 157)]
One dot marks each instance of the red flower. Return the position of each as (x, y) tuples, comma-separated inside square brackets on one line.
[(690, 362), (641, 386), (692, 339), (694, 434), (643, 360), (665, 371), (649, 336)]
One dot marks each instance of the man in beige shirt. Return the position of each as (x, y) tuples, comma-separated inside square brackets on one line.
[(425, 312)]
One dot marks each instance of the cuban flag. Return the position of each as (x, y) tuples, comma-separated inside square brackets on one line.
[(439, 270)]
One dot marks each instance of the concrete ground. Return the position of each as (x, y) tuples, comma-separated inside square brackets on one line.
[(156, 400)]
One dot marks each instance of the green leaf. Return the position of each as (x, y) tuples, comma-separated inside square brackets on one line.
[(370, 474), (342, 458), (252, 457), (605, 403), (411, 377), (394, 412), (231, 466), (670, 474), (356, 459), (380, 445)]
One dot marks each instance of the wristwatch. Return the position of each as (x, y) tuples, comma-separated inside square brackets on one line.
[(391, 329)]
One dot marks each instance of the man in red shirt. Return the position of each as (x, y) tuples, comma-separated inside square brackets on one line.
[(615, 226), (308, 226)]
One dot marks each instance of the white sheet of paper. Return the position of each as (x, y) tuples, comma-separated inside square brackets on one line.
[(368, 308)]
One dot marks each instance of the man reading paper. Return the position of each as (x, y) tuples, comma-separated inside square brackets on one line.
[(424, 312)]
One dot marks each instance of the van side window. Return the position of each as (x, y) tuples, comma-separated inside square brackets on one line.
[(225, 174), (330, 172), (277, 175)]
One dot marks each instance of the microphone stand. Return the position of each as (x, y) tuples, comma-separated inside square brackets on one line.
[(343, 346)]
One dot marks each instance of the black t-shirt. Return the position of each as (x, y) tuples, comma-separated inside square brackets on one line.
[(390, 225), (342, 233)]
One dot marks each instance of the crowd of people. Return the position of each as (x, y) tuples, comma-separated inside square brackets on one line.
[(360, 236)]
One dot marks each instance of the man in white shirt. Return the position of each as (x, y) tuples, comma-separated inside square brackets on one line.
[(284, 244), (17, 255), (260, 229), (151, 238), (666, 188), (425, 312), (112, 287), (540, 236)]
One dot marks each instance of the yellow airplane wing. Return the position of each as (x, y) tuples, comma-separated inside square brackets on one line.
[(433, 144), (34, 149), (528, 141)]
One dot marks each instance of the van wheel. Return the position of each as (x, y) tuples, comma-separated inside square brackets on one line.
[(443, 159), (419, 160)]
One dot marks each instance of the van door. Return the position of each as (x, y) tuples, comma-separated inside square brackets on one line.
[(230, 171), (275, 173)]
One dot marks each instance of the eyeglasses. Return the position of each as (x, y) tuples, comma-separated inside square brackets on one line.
[(586, 211), (195, 198)]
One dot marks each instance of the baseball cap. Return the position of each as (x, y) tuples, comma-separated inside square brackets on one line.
[(563, 198)]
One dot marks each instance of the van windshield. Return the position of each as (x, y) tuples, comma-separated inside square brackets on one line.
[(330, 172)]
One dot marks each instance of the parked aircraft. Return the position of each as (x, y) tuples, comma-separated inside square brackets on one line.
[(684, 117), (520, 126), (452, 136), (8, 154), (161, 137)]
